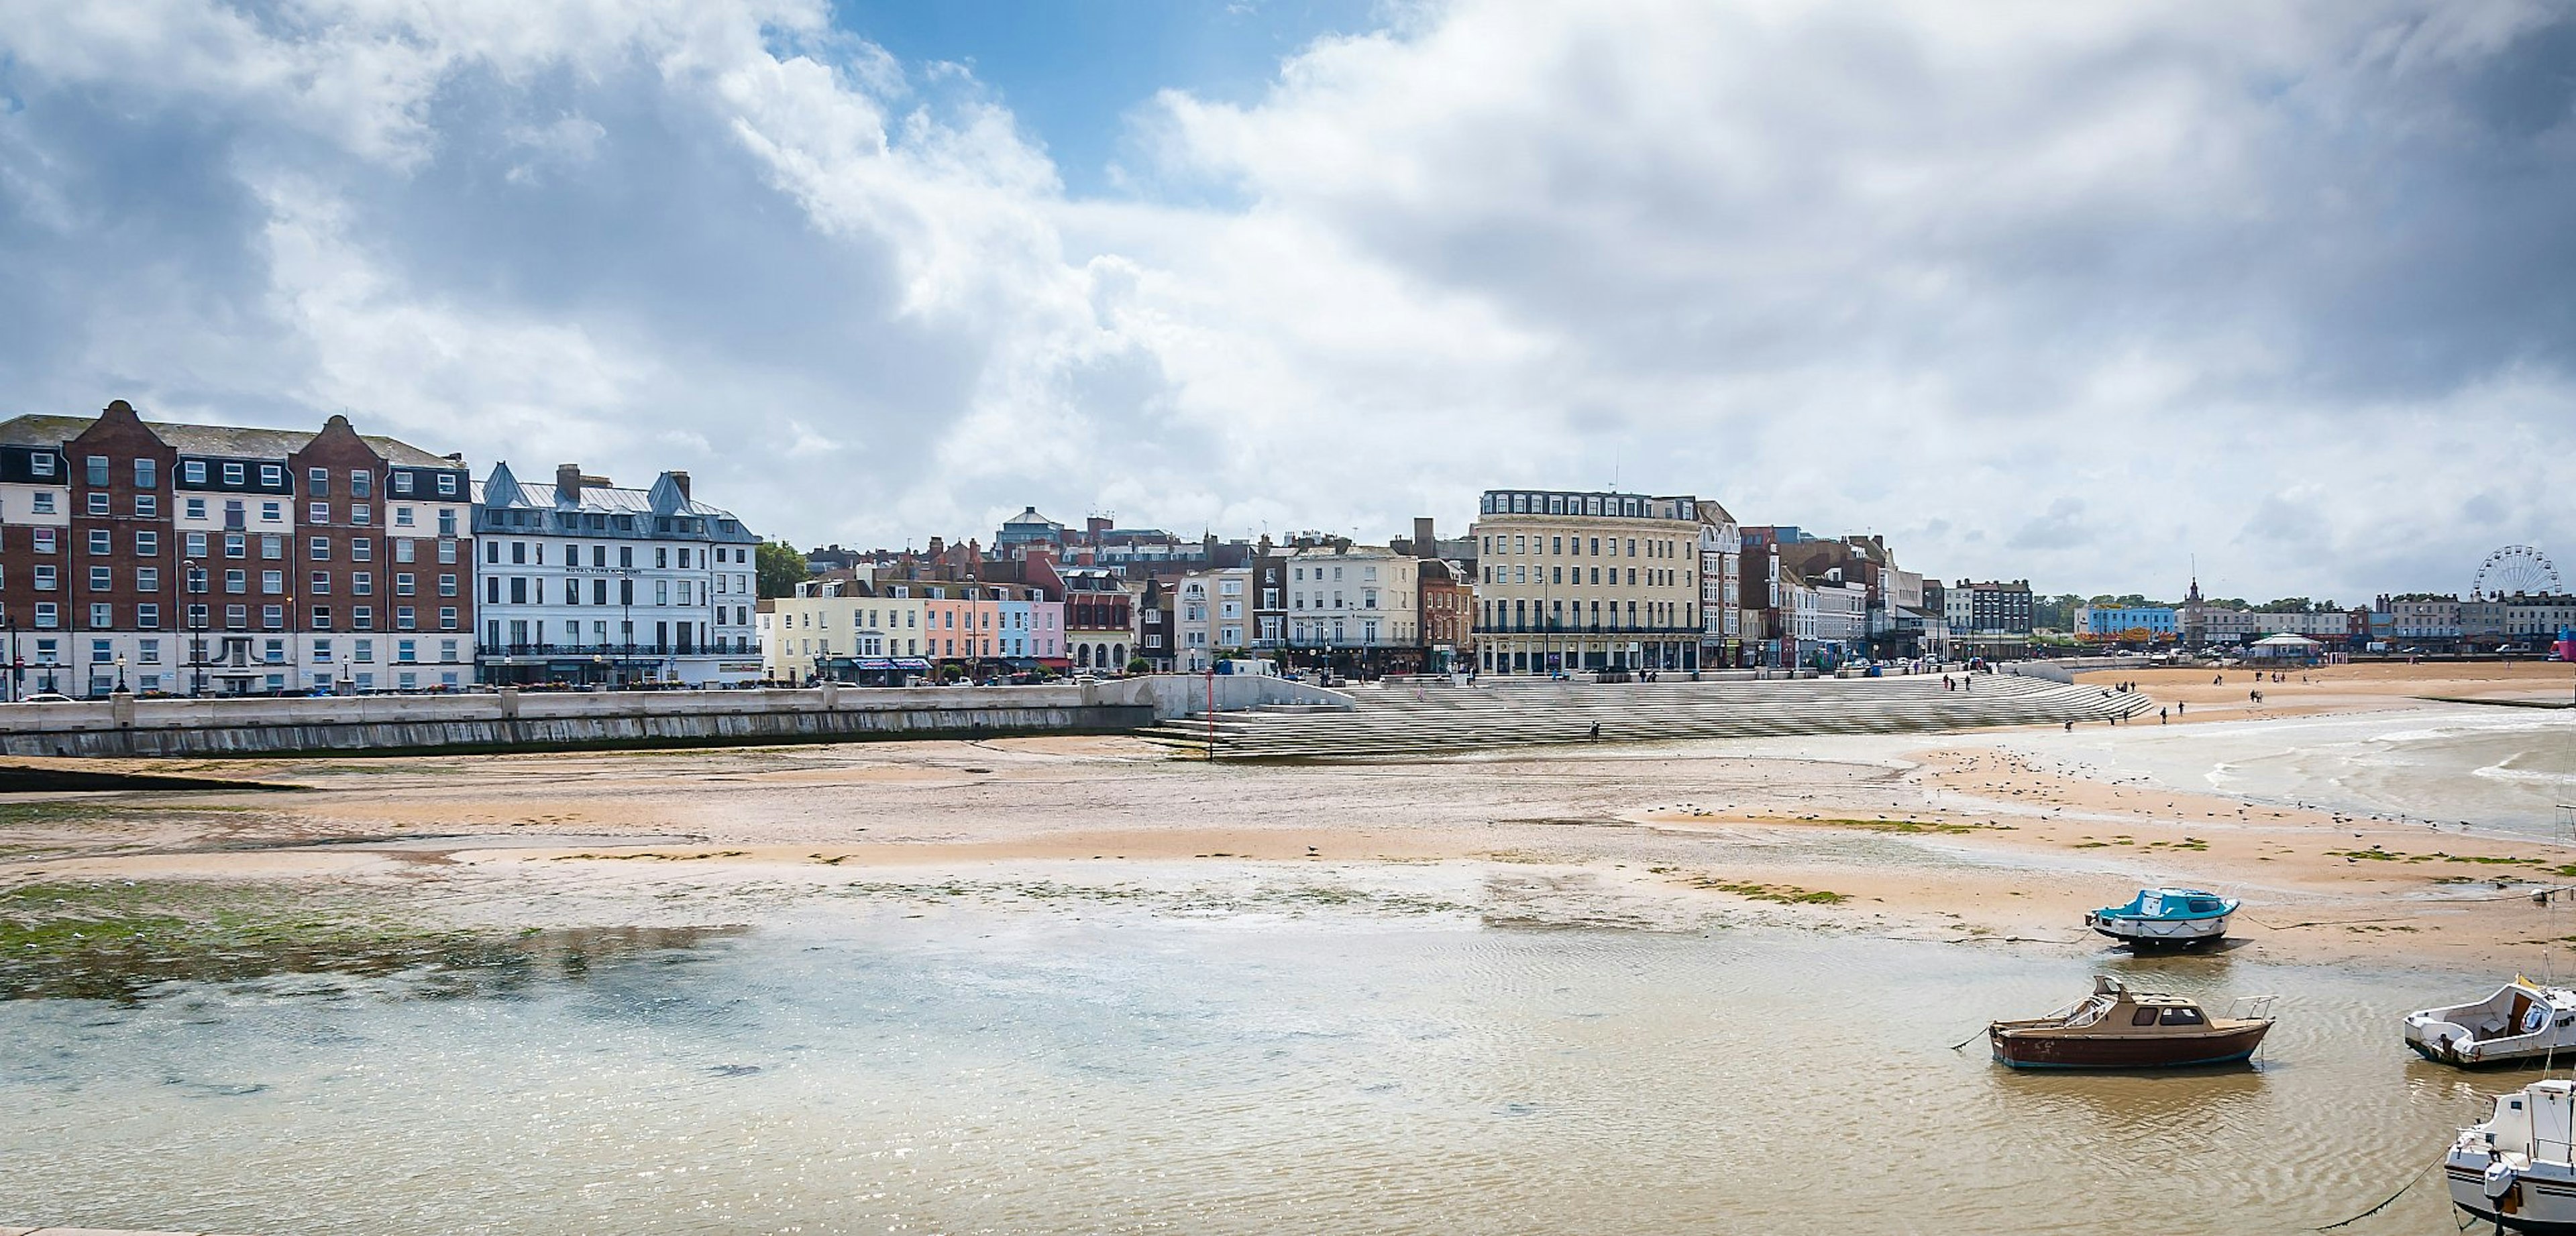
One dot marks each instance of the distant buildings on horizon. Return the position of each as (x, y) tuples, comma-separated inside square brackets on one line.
[(196, 559)]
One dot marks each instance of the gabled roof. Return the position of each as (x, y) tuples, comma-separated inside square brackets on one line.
[(218, 441)]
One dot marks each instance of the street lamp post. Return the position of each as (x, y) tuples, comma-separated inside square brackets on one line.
[(196, 622), (120, 674), (626, 597)]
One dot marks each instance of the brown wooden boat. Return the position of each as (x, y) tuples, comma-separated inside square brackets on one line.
[(2115, 1028)]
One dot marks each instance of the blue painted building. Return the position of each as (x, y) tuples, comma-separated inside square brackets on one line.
[(2112, 622)]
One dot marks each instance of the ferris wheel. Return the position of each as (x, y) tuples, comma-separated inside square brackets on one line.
[(2516, 569)]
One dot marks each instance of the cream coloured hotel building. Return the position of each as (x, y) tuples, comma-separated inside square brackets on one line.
[(1580, 581)]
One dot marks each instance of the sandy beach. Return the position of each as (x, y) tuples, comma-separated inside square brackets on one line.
[(1984, 838)]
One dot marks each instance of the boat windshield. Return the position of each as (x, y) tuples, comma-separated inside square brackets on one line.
[(2090, 1011)]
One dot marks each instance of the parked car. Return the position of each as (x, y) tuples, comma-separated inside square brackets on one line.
[(47, 697)]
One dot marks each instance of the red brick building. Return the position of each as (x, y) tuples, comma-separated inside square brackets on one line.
[(1448, 609), (189, 559)]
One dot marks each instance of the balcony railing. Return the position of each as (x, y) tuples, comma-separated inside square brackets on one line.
[(1586, 628)]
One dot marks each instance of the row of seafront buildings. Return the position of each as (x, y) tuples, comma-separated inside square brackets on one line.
[(189, 559), (2408, 623), (1544, 581)]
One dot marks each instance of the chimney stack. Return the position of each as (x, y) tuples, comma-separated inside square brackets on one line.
[(568, 484), (1425, 544), (681, 479)]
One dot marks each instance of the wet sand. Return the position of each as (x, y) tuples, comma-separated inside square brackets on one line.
[(1971, 839)]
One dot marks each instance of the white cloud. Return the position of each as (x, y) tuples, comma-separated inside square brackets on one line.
[(2064, 291)]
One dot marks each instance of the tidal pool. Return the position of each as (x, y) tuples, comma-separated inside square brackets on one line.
[(949, 1071)]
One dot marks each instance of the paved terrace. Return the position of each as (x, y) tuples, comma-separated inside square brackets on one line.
[(1437, 716)]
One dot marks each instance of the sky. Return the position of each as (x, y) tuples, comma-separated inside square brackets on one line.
[(2084, 294)]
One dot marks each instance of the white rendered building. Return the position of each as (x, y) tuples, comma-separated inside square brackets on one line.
[(583, 581), (1357, 600)]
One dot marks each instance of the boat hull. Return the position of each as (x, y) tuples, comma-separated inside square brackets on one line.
[(2491, 1055), (2024, 1050), (2159, 932), (2530, 1206)]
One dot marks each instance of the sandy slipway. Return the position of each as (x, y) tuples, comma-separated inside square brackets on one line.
[(1980, 839)]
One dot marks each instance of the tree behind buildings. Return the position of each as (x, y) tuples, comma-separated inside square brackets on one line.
[(781, 568)]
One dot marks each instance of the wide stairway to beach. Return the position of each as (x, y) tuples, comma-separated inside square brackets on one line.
[(1435, 716)]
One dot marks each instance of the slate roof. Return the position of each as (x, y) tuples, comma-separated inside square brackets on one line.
[(220, 441), (604, 499)]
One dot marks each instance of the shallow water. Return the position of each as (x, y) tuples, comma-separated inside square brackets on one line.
[(2506, 769), (1035, 1072)]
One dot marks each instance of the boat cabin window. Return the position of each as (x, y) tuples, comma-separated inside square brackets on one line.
[(2143, 1017), (2182, 1017), (2202, 905)]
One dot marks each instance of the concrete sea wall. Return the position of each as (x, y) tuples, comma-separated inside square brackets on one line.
[(505, 720), (509, 719)]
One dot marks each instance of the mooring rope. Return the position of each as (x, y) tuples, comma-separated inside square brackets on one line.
[(2401, 1192)]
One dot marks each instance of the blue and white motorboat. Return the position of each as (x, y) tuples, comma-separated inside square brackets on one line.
[(2183, 917)]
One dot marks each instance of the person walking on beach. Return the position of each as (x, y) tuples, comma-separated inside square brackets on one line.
[(1596, 731), (2160, 716)]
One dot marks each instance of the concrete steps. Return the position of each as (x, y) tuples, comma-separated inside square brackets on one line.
[(1425, 718)]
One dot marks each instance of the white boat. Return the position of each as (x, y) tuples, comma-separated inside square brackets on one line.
[(2521, 1021), (2513, 1170)]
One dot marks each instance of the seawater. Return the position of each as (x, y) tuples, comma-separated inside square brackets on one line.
[(1031, 1072), (2507, 769)]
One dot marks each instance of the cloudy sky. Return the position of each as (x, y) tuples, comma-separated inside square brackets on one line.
[(2067, 291)]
